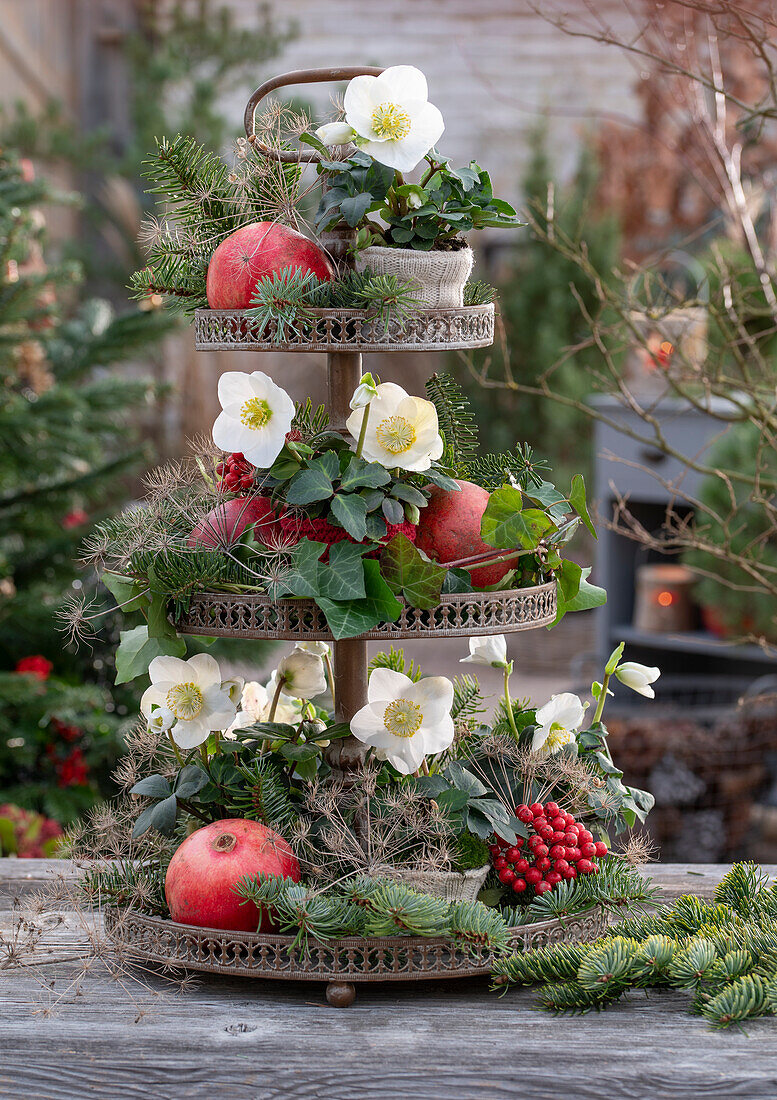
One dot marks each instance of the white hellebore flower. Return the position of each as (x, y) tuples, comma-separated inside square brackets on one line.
[(192, 692), (319, 649), (491, 650), (365, 392), (401, 430), (392, 116), (557, 723), (255, 706), (255, 418), (233, 688), (161, 720), (302, 675), (638, 677), (335, 133), (405, 721)]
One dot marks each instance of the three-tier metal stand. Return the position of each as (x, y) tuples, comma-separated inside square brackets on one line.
[(343, 335)]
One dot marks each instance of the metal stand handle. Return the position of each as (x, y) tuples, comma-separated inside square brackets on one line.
[(299, 76)]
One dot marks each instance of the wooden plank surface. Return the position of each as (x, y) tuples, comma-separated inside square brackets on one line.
[(263, 1040)]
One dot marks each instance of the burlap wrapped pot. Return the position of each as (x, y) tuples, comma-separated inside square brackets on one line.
[(438, 278)]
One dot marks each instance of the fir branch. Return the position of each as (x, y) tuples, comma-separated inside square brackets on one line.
[(493, 470), (477, 292), (456, 422), (395, 660), (310, 421), (467, 698)]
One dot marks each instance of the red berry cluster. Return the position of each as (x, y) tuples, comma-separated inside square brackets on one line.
[(236, 472), (558, 848)]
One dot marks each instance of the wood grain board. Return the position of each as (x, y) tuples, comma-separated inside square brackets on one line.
[(266, 1041)]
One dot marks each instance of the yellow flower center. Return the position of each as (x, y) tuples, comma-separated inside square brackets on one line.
[(185, 701), (558, 737), (395, 434), (256, 413), (403, 718), (391, 122)]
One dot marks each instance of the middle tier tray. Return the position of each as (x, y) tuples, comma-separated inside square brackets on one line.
[(226, 615), (337, 330)]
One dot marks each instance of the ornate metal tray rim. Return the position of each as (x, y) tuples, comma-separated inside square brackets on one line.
[(469, 327), (411, 958), (302, 617)]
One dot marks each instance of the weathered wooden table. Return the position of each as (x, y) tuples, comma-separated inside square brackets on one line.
[(229, 1040)]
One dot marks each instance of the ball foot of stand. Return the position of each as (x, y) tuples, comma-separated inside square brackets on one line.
[(340, 994)]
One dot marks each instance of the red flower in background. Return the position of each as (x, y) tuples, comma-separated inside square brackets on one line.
[(66, 732), (77, 518), (36, 666), (73, 770)]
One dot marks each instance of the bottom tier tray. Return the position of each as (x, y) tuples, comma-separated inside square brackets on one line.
[(340, 963), (223, 614)]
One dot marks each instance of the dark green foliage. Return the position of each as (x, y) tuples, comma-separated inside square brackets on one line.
[(67, 446), (724, 954)]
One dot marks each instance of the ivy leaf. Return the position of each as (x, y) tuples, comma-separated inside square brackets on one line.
[(304, 579), (588, 596), (410, 575), (505, 525), (569, 576), (191, 780), (350, 510), (136, 652), (577, 499), (310, 486), (129, 594), (457, 580), (343, 577), (153, 786), (546, 494), (360, 473), (354, 617)]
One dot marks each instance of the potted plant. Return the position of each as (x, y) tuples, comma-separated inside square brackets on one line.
[(413, 231)]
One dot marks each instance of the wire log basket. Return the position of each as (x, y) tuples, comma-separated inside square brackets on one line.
[(338, 330), (225, 615), (340, 963)]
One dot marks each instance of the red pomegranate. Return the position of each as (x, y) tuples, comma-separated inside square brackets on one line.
[(202, 873), (449, 529), (225, 523), (255, 251)]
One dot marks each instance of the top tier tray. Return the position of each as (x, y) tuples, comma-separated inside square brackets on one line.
[(354, 330)]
